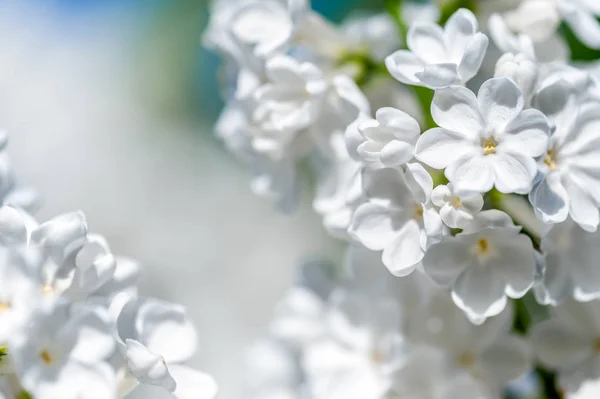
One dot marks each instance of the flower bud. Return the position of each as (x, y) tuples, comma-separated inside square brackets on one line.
[(521, 69)]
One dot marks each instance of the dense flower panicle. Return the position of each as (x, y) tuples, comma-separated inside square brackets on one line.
[(477, 190), (71, 323), (58, 283)]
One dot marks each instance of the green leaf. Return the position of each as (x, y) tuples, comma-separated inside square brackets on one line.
[(579, 52), (449, 7)]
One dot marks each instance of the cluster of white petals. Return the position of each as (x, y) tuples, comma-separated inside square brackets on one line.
[(71, 322), (464, 217)]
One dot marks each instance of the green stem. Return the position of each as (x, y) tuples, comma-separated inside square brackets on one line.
[(425, 97), (548, 381)]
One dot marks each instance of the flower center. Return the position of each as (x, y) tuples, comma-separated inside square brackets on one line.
[(597, 345), (46, 357), (47, 289), (377, 357), (489, 146), (455, 202), (465, 360), (483, 248), (550, 160), (5, 306), (418, 214)]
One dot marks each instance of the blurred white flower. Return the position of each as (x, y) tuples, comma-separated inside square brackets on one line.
[(398, 218), (569, 342), (569, 254), (338, 186), (484, 264), (359, 357), (440, 57), (475, 351), (273, 371), (57, 355), (484, 141), (540, 19)]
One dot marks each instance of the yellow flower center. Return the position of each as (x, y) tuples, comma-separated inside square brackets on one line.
[(550, 160), (455, 202), (483, 248), (47, 289), (465, 360), (418, 215), (46, 357), (597, 345), (489, 146), (4, 306), (377, 357)]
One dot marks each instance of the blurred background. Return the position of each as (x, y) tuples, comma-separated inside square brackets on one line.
[(109, 106)]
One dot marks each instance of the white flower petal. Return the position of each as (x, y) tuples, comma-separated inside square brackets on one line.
[(193, 384), (557, 346), (527, 134), (549, 198), (446, 260), (500, 101), (426, 41), (479, 291), (473, 57), (514, 172), (506, 359), (439, 75), (456, 109), (439, 148), (458, 32), (402, 255), (582, 208), (404, 65), (372, 226), (148, 367), (396, 153), (471, 173), (516, 263), (167, 330)]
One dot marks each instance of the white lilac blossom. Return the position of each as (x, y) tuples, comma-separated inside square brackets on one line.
[(273, 371), (569, 342), (57, 284), (521, 69), (569, 254), (389, 139), (442, 244), (539, 19), (439, 57), (57, 337), (488, 261), (485, 141), (567, 184), (397, 218), (456, 211), (338, 186), (553, 48), (361, 353), (474, 351)]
